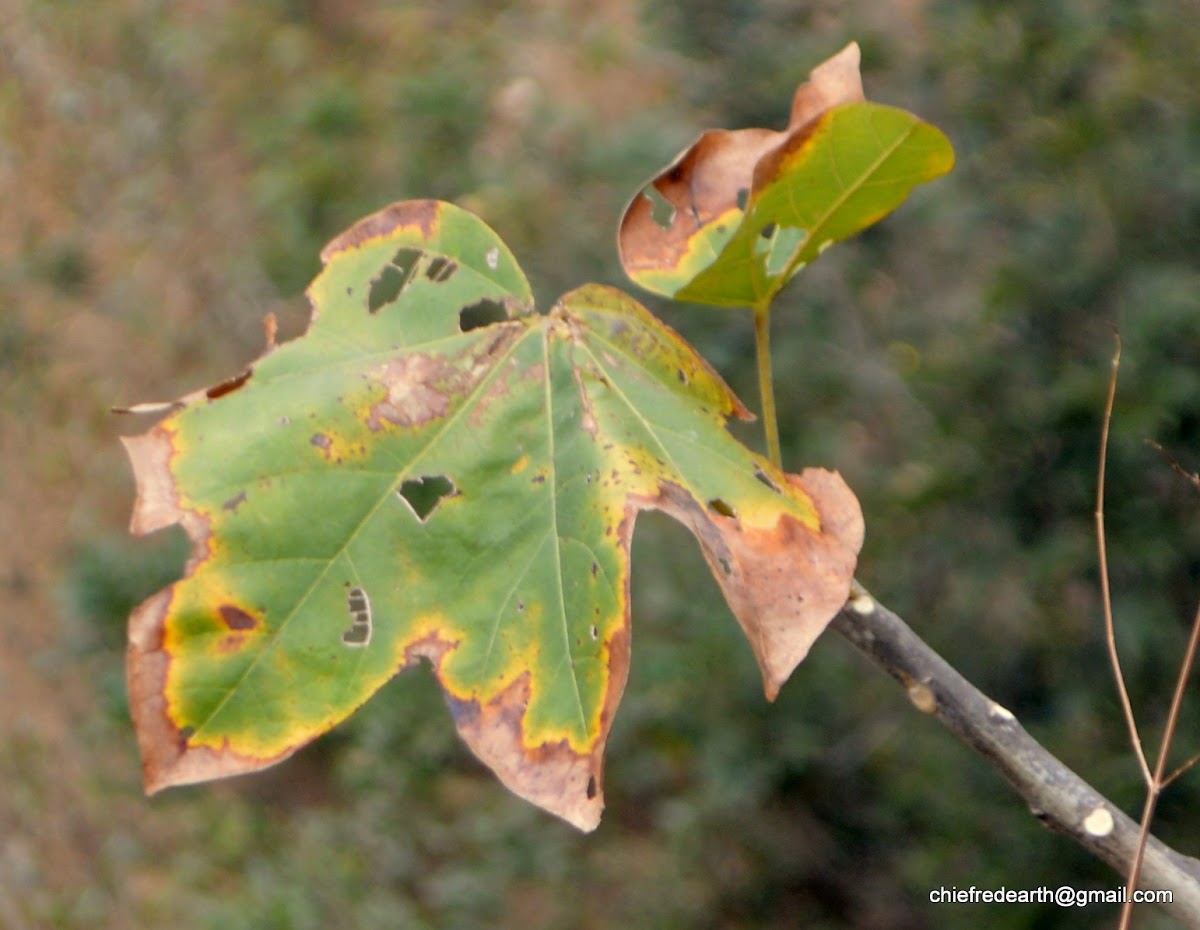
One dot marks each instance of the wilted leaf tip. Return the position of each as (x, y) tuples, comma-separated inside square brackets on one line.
[(553, 776), (156, 506), (832, 83), (786, 582)]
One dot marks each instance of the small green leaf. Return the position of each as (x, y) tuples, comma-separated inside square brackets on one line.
[(750, 208), (419, 478)]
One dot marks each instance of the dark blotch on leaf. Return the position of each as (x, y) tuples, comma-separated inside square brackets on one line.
[(237, 619), (228, 385), (766, 479), (425, 493), (722, 507), (743, 197), (483, 313), (591, 787), (768, 231)]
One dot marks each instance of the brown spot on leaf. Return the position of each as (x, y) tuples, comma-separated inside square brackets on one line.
[(717, 505), (422, 214), (168, 755), (511, 377), (229, 385), (412, 398), (766, 479), (234, 502), (235, 618)]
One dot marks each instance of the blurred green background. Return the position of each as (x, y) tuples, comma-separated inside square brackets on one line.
[(168, 174)]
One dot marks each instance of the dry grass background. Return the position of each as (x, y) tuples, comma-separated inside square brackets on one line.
[(145, 159)]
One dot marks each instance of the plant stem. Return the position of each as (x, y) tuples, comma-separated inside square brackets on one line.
[(1110, 636), (1057, 796), (766, 382), (1159, 781)]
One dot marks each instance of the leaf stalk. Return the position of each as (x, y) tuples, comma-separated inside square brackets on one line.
[(766, 382)]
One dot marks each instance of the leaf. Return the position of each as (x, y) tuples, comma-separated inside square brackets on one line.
[(435, 471), (737, 214)]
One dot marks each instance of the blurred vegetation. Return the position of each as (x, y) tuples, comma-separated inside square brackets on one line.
[(169, 173)]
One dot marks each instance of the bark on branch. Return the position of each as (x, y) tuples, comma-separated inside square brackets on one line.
[(1055, 794)]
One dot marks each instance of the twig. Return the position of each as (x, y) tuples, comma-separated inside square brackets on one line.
[(1055, 794), (1182, 770), (1189, 476), (1110, 636), (1157, 784)]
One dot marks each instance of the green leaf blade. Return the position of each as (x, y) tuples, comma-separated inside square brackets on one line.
[(734, 217), (398, 486), (858, 163)]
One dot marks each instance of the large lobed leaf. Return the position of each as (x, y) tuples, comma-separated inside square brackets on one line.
[(436, 471), (739, 212)]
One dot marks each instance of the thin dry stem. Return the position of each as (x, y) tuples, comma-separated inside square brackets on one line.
[(1182, 770), (1109, 629), (1190, 476), (1158, 783)]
